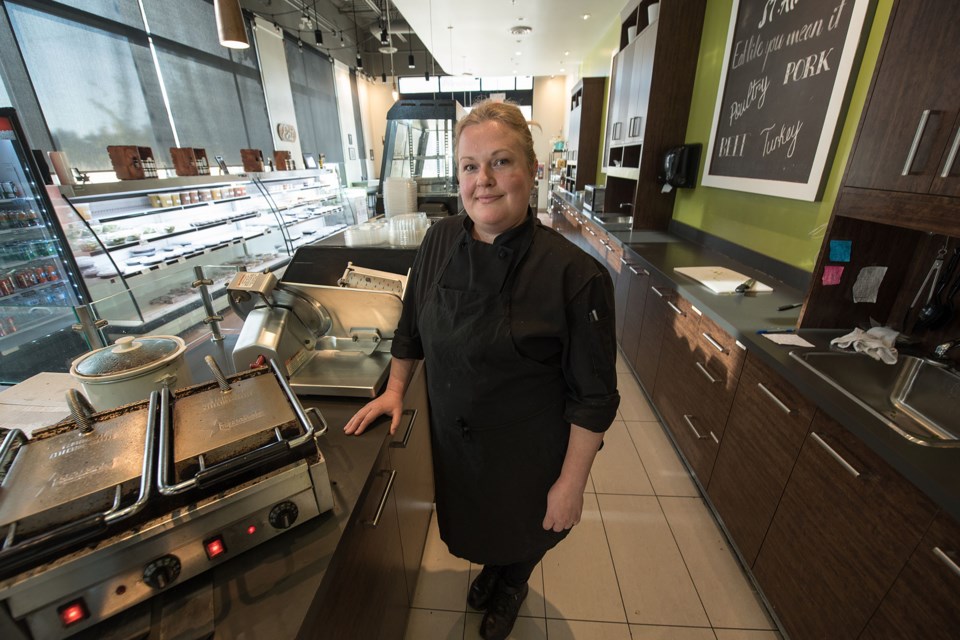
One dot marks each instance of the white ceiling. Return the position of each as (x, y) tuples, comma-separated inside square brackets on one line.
[(480, 42)]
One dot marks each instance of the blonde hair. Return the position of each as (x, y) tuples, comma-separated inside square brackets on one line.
[(506, 113)]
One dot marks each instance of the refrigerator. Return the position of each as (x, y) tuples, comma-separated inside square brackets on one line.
[(39, 280)]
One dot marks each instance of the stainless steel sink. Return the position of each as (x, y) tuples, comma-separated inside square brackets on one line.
[(916, 397)]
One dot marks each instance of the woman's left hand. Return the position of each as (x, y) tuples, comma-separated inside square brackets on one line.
[(564, 506)]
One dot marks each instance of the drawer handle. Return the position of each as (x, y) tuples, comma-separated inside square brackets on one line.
[(677, 310), (952, 156), (712, 435), (917, 137), (624, 262), (777, 400), (716, 345), (704, 371), (656, 291), (946, 560), (687, 417), (833, 454), (630, 266), (402, 444), (383, 499)]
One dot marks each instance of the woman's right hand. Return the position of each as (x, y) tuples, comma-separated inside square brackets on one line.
[(390, 402)]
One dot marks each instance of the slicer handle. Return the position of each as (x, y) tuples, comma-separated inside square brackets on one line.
[(235, 466), (50, 545)]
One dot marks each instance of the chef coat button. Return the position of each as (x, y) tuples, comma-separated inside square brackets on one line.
[(503, 254)]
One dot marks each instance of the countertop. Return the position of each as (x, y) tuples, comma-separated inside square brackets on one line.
[(935, 471)]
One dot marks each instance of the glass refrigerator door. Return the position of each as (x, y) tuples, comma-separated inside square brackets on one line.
[(38, 283)]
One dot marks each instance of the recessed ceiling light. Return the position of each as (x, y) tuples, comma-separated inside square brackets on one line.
[(566, 53), (562, 70), (586, 16), (519, 53)]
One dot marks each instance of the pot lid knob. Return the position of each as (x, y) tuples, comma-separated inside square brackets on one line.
[(125, 344)]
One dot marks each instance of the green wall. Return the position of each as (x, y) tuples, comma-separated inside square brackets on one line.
[(788, 230)]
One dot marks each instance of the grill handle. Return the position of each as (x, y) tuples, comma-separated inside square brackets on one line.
[(49, 545), (233, 467)]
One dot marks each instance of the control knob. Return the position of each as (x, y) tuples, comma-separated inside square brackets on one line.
[(162, 571), (283, 515)]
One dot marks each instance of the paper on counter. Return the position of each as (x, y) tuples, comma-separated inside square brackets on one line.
[(721, 279), (790, 339)]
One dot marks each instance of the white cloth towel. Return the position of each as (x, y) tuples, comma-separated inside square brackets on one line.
[(878, 343)]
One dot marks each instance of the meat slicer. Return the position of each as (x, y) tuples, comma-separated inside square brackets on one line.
[(330, 340)]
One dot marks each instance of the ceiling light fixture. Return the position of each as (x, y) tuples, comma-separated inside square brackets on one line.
[(318, 35), (230, 28), (359, 62), (356, 38), (586, 16)]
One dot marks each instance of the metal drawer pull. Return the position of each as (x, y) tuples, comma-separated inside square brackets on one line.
[(777, 400), (833, 454), (623, 262), (946, 560), (383, 500), (632, 270), (704, 371), (712, 435), (917, 137), (656, 291), (693, 428), (677, 310), (402, 444), (716, 345), (948, 165)]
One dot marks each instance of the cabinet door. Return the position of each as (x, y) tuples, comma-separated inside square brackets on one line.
[(923, 601), (646, 45), (905, 135), (845, 527), (367, 568), (647, 358), (410, 456), (638, 285), (768, 422)]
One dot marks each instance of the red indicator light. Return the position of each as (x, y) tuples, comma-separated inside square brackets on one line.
[(252, 529), (214, 547), (73, 613)]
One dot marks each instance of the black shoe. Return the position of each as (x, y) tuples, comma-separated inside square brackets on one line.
[(483, 587), (504, 607)]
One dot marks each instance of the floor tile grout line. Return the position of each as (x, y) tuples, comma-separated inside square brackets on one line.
[(640, 458), (613, 563)]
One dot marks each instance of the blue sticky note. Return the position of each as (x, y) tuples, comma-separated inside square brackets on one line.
[(840, 250)]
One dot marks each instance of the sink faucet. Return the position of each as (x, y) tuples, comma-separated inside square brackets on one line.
[(942, 350)]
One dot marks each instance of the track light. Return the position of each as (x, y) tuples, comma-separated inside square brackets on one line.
[(411, 63), (383, 76), (384, 38), (426, 75), (359, 62), (319, 36)]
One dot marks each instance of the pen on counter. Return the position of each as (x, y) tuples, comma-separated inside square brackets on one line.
[(763, 331), (787, 307), (742, 288)]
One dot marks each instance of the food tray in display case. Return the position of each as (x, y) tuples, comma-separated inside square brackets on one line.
[(137, 249)]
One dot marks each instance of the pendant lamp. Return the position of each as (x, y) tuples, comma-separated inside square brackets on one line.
[(230, 27)]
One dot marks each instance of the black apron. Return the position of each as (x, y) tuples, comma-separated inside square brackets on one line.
[(497, 428)]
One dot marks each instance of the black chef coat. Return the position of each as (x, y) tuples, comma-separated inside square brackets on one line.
[(537, 354)]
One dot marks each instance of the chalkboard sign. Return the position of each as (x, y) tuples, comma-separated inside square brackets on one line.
[(784, 83)]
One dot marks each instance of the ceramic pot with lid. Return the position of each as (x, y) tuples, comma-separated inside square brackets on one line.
[(128, 370)]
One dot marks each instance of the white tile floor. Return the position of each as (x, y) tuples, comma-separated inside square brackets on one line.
[(646, 562)]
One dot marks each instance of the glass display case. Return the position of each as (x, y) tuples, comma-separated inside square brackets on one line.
[(419, 145), (137, 245), (39, 284)]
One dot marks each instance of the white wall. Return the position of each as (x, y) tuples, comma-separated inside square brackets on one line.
[(276, 85), (348, 128), (550, 97), (379, 101)]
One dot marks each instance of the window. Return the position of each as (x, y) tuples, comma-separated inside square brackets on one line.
[(314, 101)]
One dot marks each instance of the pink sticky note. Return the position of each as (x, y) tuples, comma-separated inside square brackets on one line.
[(832, 275)]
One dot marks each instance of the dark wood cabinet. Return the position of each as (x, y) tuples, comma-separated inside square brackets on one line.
[(923, 601), (366, 568), (845, 527), (766, 428), (637, 286), (908, 143), (410, 457), (583, 139), (647, 358)]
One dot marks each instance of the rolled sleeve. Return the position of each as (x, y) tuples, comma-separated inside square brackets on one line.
[(590, 356), (406, 339)]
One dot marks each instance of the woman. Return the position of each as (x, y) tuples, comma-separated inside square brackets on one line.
[(515, 326)]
